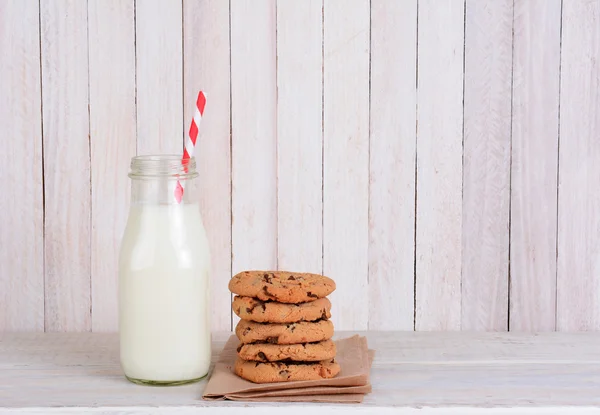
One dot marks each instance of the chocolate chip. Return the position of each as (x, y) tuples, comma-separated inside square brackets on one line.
[(291, 278), (254, 305), (246, 331), (267, 293), (262, 356), (283, 373), (267, 278), (324, 315), (311, 295), (264, 307), (272, 340)]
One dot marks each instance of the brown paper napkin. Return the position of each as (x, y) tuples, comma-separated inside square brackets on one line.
[(348, 386)]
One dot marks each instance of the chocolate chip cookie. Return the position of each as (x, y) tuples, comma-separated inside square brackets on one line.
[(248, 308), (258, 372), (305, 352), (281, 286), (290, 333)]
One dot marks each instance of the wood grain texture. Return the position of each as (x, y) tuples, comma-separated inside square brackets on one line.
[(578, 276), (414, 373), (536, 65), (300, 135), (111, 35), (307, 153), (254, 135), (486, 175), (66, 165), (439, 164), (392, 164), (297, 409), (346, 159), (159, 71), (21, 204), (206, 67)]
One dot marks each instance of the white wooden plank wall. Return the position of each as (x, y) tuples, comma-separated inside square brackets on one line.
[(486, 164), (440, 40), (253, 134), (578, 262), (21, 182), (300, 135), (535, 97), (159, 76), (112, 131), (346, 158), (66, 146), (393, 111), (437, 158)]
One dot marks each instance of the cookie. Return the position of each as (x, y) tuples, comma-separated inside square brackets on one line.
[(281, 286), (258, 372), (290, 333), (248, 308), (304, 352)]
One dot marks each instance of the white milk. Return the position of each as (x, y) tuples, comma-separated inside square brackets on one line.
[(164, 294)]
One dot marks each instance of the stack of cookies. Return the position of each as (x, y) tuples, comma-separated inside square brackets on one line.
[(285, 331)]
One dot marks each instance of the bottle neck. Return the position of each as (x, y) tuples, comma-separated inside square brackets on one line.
[(156, 180)]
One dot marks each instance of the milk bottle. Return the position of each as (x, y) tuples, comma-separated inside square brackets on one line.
[(163, 277)]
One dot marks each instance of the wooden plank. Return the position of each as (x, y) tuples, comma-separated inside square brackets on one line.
[(486, 175), (578, 276), (534, 165), (21, 205), (439, 164), (53, 350), (159, 69), (113, 143), (67, 165), (495, 385), (300, 135), (229, 408), (496, 374), (206, 67), (266, 408), (346, 159), (254, 131), (393, 104)]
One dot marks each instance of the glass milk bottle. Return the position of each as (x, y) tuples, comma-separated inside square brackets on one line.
[(163, 276)]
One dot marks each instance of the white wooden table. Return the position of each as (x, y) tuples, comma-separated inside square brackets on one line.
[(413, 373)]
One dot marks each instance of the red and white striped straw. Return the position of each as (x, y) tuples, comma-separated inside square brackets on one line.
[(190, 142)]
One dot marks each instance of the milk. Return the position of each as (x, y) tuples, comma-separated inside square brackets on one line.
[(164, 294)]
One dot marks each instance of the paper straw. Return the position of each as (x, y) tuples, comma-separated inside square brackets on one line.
[(190, 142)]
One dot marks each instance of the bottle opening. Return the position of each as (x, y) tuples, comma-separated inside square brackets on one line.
[(167, 165)]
